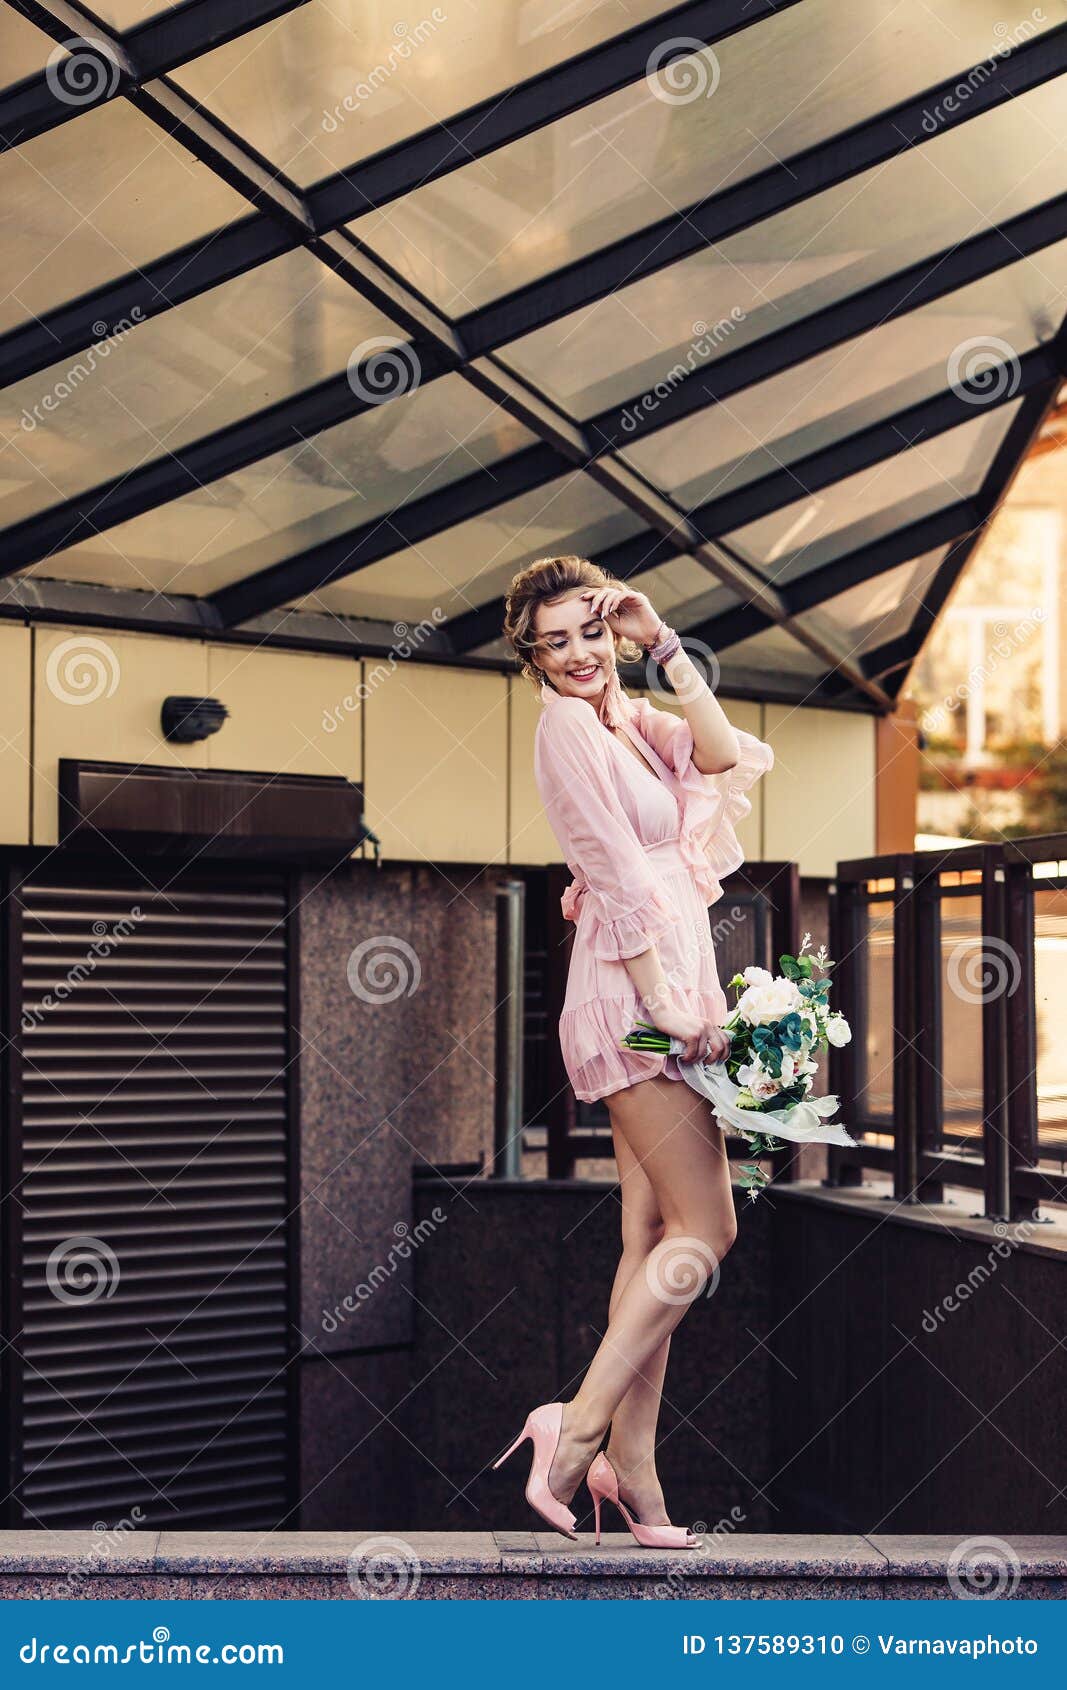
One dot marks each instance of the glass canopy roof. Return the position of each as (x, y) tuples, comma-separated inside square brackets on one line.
[(321, 317)]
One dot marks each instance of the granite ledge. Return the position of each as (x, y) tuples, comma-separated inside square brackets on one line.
[(514, 1555)]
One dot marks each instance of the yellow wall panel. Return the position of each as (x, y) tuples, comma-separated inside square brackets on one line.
[(98, 695), (15, 752), (820, 798), (530, 839), (295, 713), (436, 748)]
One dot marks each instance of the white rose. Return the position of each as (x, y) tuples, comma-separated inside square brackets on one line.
[(838, 1031), (762, 1003), (757, 976)]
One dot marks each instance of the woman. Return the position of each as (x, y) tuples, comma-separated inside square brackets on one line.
[(644, 805)]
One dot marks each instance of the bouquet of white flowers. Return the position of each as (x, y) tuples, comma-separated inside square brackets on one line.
[(776, 1026)]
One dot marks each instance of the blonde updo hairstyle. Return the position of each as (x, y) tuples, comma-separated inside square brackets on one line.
[(542, 582)]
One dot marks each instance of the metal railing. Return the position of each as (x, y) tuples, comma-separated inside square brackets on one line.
[(951, 967)]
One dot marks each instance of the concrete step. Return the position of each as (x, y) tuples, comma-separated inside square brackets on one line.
[(525, 1565)]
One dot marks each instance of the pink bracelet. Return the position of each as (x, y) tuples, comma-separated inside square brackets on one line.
[(666, 643)]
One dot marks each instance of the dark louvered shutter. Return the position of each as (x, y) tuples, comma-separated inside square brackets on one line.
[(149, 1215)]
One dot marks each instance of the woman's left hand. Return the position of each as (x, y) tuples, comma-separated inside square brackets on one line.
[(627, 613)]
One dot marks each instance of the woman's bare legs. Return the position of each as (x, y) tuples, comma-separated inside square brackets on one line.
[(674, 1137), (631, 1446)]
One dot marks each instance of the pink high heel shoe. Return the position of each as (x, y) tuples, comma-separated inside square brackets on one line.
[(603, 1482), (543, 1428)]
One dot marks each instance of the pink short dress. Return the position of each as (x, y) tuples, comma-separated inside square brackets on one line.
[(647, 852)]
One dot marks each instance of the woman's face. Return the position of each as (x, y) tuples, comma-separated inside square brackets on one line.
[(577, 651)]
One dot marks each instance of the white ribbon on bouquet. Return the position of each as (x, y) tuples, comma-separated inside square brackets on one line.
[(800, 1123)]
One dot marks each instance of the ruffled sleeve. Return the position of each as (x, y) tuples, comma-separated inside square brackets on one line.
[(712, 805), (630, 912)]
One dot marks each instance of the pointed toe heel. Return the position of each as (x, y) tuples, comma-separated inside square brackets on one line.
[(543, 1426)]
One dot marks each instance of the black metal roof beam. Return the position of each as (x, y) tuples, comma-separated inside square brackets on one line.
[(505, 117), (567, 450), (176, 36), (666, 519), (408, 525), (880, 441), (51, 602), (270, 589), (799, 178), (877, 443), (332, 402), (70, 328), (432, 153), (61, 334), (289, 422), (859, 560), (859, 313)]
